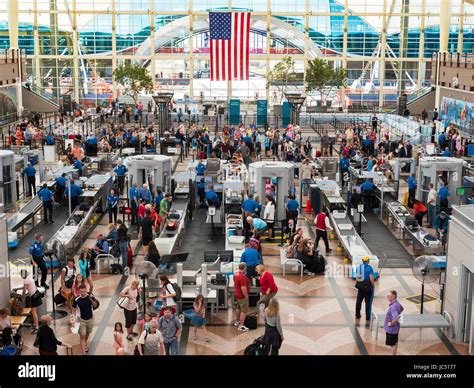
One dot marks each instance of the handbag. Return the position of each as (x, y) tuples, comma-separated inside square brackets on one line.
[(94, 301), (69, 283), (122, 302)]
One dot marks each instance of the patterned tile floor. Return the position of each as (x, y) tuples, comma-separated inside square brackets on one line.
[(317, 315)]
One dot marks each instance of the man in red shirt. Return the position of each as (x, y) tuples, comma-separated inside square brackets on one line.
[(268, 287), (241, 294)]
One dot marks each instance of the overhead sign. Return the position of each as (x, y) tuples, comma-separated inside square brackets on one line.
[(234, 112), (285, 114), (262, 111)]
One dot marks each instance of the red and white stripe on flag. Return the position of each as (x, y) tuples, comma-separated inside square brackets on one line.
[(230, 57)]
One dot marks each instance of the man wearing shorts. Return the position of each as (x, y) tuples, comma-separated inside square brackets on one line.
[(241, 294), (84, 304), (392, 321)]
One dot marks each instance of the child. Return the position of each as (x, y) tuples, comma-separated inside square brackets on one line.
[(199, 318), (118, 340), (145, 323)]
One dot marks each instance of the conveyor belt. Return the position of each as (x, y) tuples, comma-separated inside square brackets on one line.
[(60, 216), (24, 214), (195, 240), (384, 244)]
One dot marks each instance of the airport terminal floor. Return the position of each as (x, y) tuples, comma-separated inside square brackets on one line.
[(236, 178)]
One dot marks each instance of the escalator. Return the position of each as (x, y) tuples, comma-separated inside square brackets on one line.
[(423, 98), (37, 100)]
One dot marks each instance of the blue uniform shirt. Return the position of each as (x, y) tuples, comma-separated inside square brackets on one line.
[(92, 140), (29, 171), (45, 194), (447, 153), (344, 164), (292, 205), (78, 165), (120, 170), (201, 186), (443, 192), (249, 205), (365, 270), (50, 140), (212, 197), (411, 183), (76, 191), (133, 193), (112, 200), (251, 257), (145, 194), (36, 249), (200, 169), (366, 186), (158, 199), (61, 181)]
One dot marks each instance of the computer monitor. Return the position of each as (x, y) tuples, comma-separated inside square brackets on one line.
[(226, 256), (174, 258)]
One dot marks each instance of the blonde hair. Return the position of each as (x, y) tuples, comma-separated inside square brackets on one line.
[(260, 268), (148, 207), (273, 308), (135, 283)]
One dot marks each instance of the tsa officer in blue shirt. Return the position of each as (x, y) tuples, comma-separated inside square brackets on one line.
[(61, 186), (30, 173), (292, 207), (211, 197), (411, 190), (120, 171), (46, 196), (145, 193), (158, 197), (78, 165), (365, 283), (50, 139), (112, 202), (443, 195), (134, 199), (37, 255), (447, 153), (75, 191), (200, 168)]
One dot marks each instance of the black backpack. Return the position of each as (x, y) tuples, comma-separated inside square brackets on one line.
[(177, 291), (135, 349), (257, 348), (251, 322)]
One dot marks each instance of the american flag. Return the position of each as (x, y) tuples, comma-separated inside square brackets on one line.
[(230, 33)]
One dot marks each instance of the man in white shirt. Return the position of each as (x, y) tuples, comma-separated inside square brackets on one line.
[(432, 199), (151, 342)]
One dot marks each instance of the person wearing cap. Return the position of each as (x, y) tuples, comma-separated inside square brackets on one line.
[(365, 283), (440, 224)]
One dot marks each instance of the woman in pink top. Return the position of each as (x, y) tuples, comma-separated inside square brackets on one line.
[(131, 292)]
